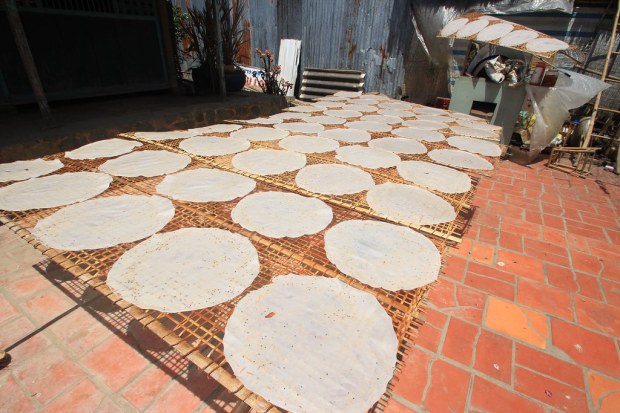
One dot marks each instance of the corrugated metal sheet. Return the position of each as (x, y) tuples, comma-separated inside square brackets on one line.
[(368, 35)]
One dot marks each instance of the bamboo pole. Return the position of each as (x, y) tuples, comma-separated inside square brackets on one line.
[(27, 60)]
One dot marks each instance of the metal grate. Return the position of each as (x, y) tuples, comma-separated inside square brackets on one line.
[(322, 82)]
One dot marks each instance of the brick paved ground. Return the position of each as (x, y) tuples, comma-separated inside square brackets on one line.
[(526, 318)]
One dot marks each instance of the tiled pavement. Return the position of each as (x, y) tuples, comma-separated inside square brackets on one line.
[(526, 318)]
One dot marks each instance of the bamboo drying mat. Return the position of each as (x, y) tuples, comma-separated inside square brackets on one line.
[(451, 231), (198, 335)]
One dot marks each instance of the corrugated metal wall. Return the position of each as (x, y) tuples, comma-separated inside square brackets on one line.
[(369, 35)]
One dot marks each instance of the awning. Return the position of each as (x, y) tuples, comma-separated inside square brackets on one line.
[(482, 28)]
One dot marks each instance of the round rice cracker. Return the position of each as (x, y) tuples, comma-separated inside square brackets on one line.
[(369, 126), (217, 128), (399, 145), (436, 177), (419, 134), (53, 190), (460, 159), (282, 214), (214, 146), (494, 32), (425, 124), (22, 170), (383, 255), (164, 274), (409, 204), (453, 26), (261, 121), (268, 161), (474, 145), (301, 127), (360, 108), (165, 135), (104, 222), (326, 120), (546, 45), (146, 163), (474, 132), (345, 114), (206, 185), (333, 179), (346, 135), (309, 144), (472, 28), (260, 134), (517, 37), (382, 119), (270, 347), (291, 115), (367, 157), (107, 148)]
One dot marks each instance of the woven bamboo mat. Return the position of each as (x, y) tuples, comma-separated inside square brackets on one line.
[(198, 335)]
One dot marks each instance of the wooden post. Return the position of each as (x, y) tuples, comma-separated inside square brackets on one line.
[(220, 53), (27, 60)]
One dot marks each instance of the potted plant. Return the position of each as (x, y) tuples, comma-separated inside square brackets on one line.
[(199, 29)]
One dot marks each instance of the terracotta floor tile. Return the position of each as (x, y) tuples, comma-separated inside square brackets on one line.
[(448, 389), (494, 356), (471, 304), (551, 392), (554, 236), (80, 331), (48, 374), (108, 406), (491, 286), (115, 371), (429, 338), (435, 318), (548, 365), (598, 315), (491, 272), (47, 305), (141, 392), (12, 398), (604, 393), (414, 376), (562, 278), (443, 293), (589, 286), (518, 226), (85, 397), (482, 253), (454, 267), (7, 310), (611, 269), (394, 407), (176, 398), (460, 340), (585, 347), (545, 298), (586, 263), (488, 235), (554, 221), (25, 287), (517, 322), (490, 398), (16, 330), (521, 265), (611, 290)]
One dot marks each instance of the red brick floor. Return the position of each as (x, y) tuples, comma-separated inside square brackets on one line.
[(525, 318)]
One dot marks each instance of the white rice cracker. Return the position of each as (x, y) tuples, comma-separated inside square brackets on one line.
[(104, 222), (103, 149), (165, 136), (334, 179), (268, 161), (409, 204), (53, 191), (282, 214), (436, 177), (346, 135), (363, 156), (300, 324), (301, 127), (218, 128), (214, 146), (419, 134), (478, 132), (146, 163), (474, 145), (22, 170), (206, 185), (184, 270), (399, 145), (259, 134), (309, 144), (383, 255), (460, 159)]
